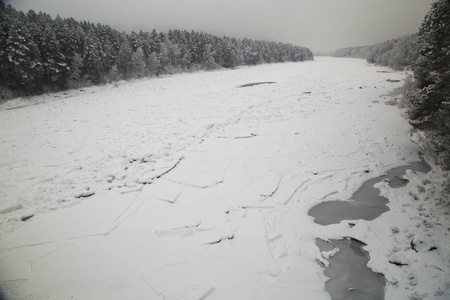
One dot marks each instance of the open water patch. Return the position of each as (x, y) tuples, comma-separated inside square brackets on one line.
[(256, 83), (366, 203), (349, 276)]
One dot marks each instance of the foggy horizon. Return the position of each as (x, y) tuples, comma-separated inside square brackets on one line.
[(322, 25)]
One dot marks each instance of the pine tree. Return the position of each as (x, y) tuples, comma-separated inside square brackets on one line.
[(125, 59), (174, 53), (54, 63), (208, 57), (23, 61), (153, 64), (154, 41), (92, 61), (74, 74), (64, 36), (163, 57), (138, 62), (229, 54), (4, 29)]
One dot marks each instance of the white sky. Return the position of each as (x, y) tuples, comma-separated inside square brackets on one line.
[(321, 25)]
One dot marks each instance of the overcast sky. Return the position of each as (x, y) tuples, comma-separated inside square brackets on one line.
[(321, 25)]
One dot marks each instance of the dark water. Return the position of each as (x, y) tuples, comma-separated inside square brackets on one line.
[(350, 278), (366, 203)]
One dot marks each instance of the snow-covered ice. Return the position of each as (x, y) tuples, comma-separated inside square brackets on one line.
[(190, 187)]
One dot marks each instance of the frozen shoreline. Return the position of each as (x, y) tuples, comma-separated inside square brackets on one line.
[(202, 189)]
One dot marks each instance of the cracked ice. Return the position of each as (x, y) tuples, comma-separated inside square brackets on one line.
[(201, 189)]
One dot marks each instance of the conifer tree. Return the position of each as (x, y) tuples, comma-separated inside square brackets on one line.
[(23, 62), (92, 61), (138, 62), (153, 64), (74, 74), (124, 59)]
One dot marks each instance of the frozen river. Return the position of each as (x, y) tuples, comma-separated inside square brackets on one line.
[(190, 187)]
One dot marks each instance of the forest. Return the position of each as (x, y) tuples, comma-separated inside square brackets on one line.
[(41, 54), (398, 53)]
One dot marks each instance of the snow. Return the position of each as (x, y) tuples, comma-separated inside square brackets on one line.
[(189, 187), (399, 259)]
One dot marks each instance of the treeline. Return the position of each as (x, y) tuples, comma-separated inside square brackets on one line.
[(41, 54), (429, 94), (397, 53), (355, 52)]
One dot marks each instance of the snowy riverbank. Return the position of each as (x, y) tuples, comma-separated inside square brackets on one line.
[(200, 189)]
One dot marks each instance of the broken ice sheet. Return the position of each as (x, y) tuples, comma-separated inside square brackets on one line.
[(261, 184), (162, 217), (37, 252), (328, 254), (165, 190), (301, 277), (158, 170), (202, 170), (249, 186), (178, 281), (38, 225), (15, 266), (213, 228), (64, 224), (250, 243)]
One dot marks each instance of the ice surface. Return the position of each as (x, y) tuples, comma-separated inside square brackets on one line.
[(201, 189), (15, 267), (178, 281)]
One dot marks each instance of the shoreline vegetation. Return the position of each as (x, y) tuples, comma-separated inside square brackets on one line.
[(398, 54), (41, 54), (427, 91)]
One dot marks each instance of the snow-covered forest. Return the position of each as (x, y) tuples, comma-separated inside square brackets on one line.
[(398, 53), (41, 54)]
